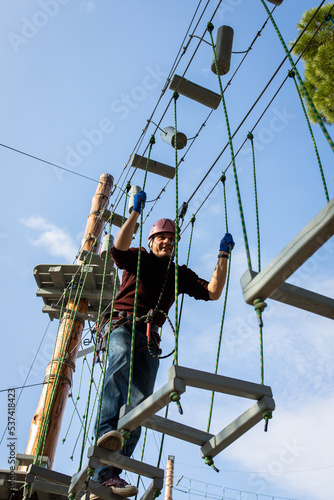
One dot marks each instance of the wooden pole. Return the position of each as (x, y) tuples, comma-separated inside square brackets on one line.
[(69, 334), (169, 478)]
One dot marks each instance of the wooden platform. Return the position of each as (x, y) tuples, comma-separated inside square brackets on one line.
[(54, 280), (181, 377)]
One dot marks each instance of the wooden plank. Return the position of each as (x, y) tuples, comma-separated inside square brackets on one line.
[(305, 244), (219, 383), (297, 297), (55, 310), (154, 167), (55, 294), (57, 277), (237, 428), (117, 220), (109, 458), (79, 478), (24, 460), (151, 405), (49, 475), (47, 486), (195, 92), (177, 430), (156, 484), (101, 491)]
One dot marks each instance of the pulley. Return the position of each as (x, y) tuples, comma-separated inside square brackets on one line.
[(168, 136)]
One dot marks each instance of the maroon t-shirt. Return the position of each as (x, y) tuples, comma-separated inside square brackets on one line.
[(152, 276)]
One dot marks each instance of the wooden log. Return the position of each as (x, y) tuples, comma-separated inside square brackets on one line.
[(154, 167), (195, 92), (305, 244)]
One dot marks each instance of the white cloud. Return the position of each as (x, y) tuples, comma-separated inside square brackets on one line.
[(87, 6), (52, 239)]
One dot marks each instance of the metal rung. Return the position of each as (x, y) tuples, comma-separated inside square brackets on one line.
[(154, 167), (195, 92)]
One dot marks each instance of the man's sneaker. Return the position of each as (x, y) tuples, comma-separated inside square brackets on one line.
[(121, 487), (111, 441)]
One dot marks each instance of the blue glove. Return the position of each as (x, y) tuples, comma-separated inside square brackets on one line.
[(226, 243), (138, 200)]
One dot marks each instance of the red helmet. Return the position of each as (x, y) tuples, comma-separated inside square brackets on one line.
[(162, 226)]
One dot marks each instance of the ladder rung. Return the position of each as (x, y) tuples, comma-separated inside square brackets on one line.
[(195, 92), (153, 166)]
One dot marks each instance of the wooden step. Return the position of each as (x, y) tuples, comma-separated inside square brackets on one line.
[(154, 167), (301, 248), (195, 92)]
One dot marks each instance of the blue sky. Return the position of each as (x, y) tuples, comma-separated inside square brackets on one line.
[(79, 81)]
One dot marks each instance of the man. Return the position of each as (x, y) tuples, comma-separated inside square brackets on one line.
[(155, 293)]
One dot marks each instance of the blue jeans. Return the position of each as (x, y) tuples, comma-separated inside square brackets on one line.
[(115, 391)]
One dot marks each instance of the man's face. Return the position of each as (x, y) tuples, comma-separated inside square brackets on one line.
[(162, 245)]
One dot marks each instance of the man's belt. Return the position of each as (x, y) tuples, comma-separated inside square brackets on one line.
[(140, 325)]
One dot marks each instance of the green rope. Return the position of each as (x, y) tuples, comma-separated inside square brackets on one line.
[(152, 141), (224, 311), (127, 189), (162, 440), (86, 429), (176, 244), (44, 427), (210, 29), (300, 81), (104, 368), (251, 137), (76, 402), (142, 454), (292, 75), (192, 220)]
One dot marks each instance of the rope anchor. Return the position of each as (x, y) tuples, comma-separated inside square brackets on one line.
[(259, 306), (174, 396), (267, 415), (209, 461)]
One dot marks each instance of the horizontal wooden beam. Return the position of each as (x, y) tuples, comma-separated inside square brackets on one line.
[(177, 430), (237, 428), (195, 92), (150, 405), (116, 459), (297, 297), (219, 383), (305, 244), (154, 167)]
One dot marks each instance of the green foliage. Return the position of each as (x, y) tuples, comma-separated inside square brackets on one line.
[(316, 47)]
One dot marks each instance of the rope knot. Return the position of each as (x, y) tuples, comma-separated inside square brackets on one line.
[(174, 396), (156, 493), (210, 27), (175, 95), (223, 178), (267, 415), (152, 139), (125, 436), (128, 186), (209, 461), (291, 73), (250, 136), (259, 306)]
